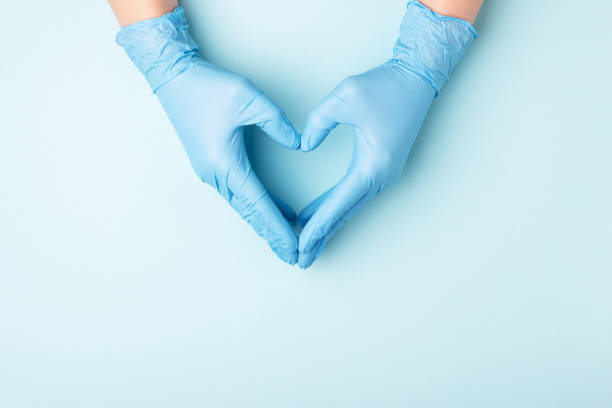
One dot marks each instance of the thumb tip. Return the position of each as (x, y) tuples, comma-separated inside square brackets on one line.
[(305, 140), (296, 139)]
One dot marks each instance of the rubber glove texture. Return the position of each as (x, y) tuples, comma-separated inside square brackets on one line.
[(386, 107), (209, 109)]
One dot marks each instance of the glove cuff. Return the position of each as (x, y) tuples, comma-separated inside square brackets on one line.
[(161, 48), (431, 45)]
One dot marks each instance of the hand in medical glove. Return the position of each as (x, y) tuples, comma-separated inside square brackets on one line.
[(209, 108), (386, 107)]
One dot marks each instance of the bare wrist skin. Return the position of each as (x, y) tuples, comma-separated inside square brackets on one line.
[(132, 11), (463, 9)]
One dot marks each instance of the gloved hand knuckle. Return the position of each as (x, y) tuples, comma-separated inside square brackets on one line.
[(237, 86), (379, 166), (315, 120), (350, 88), (276, 115)]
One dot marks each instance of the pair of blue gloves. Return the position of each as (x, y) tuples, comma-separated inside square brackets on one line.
[(210, 107)]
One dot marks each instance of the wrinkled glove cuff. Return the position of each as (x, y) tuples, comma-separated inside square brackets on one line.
[(431, 45), (161, 48)]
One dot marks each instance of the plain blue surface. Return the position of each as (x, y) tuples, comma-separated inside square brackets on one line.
[(483, 278)]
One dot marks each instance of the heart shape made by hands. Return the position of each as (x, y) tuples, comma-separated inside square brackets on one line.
[(211, 107)]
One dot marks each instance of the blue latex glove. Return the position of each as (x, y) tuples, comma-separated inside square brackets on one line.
[(386, 107), (209, 108)]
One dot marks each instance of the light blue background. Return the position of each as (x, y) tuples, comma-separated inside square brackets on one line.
[(482, 279)]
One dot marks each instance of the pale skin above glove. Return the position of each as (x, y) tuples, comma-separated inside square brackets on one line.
[(131, 11)]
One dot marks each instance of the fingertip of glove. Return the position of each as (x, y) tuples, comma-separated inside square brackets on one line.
[(305, 141), (287, 250), (308, 257), (285, 246), (293, 138), (297, 141), (305, 260), (289, 258), (308, 240)]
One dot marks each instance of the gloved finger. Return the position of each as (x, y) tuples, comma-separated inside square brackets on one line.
[(255, 205), (306, 259), (311, 208), (285, 209), (269, 117), (347, 193), (325, 117)]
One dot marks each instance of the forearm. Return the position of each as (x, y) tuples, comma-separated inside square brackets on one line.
[(131, 11), (464, 9)]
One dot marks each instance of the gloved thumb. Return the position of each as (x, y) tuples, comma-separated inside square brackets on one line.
[(269, 117), (324, 118)]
